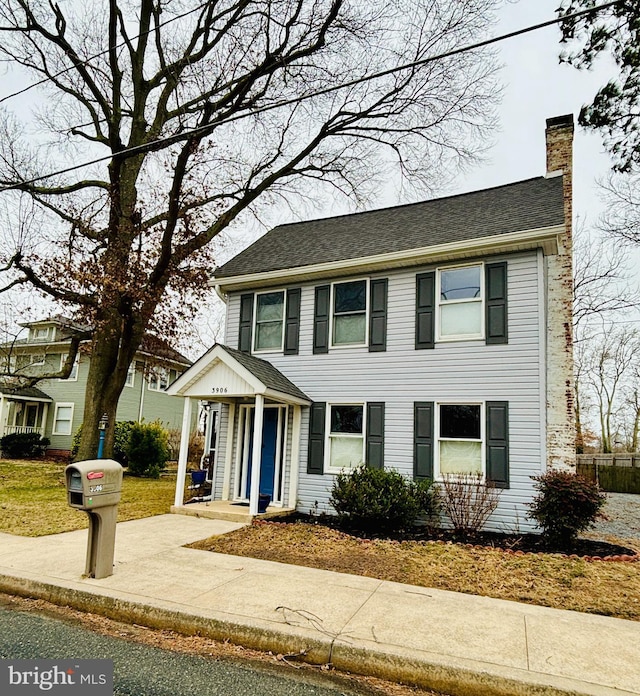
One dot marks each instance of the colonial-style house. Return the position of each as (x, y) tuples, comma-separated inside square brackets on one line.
[(431, 338), (54, 408)]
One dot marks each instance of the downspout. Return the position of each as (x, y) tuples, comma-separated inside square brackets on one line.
[(142, 380)]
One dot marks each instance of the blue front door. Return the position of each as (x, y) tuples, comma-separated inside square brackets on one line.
[(269, 447)]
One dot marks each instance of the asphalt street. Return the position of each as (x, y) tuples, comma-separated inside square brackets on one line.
[(141, 670)]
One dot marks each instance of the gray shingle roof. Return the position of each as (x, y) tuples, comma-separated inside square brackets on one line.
[(24, 392), (269, 375), (524, 205)]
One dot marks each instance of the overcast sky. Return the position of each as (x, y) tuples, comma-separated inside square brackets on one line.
[(537, 87)]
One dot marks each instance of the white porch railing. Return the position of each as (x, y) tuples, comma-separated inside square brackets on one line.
[(11, 429)]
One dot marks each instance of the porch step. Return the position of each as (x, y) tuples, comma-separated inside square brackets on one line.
[(227, 512)]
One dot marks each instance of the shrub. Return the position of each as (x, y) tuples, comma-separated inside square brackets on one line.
[(467, 501), (23, 445), (380, 500), (120, 441), (148, 449), (566, 504)]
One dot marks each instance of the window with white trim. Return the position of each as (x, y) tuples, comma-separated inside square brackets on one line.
[(73, 377), (269, 321), (460, 433), (345, 436), (131, 374), (62, 419), (349, 313), (158, 379), (460, 303), (40, 334)]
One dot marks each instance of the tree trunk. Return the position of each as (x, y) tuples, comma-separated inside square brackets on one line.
[(113, 347), (579, 435)]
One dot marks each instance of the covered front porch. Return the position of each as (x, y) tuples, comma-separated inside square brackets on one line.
[(259, 405), (23, 410)]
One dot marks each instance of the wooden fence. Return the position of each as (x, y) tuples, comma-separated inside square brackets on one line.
[(617, 473)]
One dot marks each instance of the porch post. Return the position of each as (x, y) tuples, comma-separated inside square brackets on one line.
[(1, 415), (184, 452), (256, 455), (228, 452), (295, 457), (43, 423)]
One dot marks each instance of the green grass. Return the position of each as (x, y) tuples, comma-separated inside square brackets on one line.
[(33, 498)]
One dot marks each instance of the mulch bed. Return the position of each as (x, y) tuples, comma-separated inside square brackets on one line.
[(514, 543)]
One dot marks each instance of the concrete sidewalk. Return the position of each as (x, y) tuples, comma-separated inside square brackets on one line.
[(456, 643)]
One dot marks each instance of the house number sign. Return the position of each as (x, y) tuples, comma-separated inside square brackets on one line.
[(219, 390)]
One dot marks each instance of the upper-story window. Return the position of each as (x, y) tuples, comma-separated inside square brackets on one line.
[(269, 321), (40, 334), (349, 313), (131, 374), (73, 376), (159, 379), (460, 303)]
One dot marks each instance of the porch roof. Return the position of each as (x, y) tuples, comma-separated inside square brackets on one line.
[(224, 373), (24, 393)]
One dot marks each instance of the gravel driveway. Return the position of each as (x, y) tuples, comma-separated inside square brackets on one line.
[(623, 519)]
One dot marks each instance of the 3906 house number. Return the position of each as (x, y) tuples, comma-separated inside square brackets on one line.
[(219, 390)]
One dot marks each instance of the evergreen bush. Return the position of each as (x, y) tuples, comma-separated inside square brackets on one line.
[(148, 449), (23, 445), (380, 500), (566, 504)]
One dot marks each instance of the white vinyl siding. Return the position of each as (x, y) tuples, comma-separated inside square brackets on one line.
[(454, 372)]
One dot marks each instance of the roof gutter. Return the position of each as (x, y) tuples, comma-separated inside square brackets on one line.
[(545, 238)]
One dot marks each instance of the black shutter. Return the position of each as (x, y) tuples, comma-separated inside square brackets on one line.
[(423, 440), (425, 309), (292, 322), (378, 315), (375, 435), (246, 323), (496, 303), (321, 320), (315, 453), (498, 443)]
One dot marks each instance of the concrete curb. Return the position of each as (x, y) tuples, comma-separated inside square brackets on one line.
[(454, 676)]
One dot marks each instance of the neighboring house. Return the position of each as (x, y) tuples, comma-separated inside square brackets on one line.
[(54, 408), (429, 338)]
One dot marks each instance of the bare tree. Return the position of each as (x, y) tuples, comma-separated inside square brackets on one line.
[(610, 362), (203, 112), (602, 288)]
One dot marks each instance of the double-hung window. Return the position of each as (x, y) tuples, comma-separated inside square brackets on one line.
[(269, 321), (131, 374), (460, 303), (345, 436), (62, 419), (460, 429), (349, 313), (159, 379)]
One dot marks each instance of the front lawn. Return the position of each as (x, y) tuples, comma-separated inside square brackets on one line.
[(611, 588), (33, 499)]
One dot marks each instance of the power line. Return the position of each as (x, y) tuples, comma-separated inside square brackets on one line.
[(202, 130), (86, 61)]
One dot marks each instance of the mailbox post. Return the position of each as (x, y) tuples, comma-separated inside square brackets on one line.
[(95, 486)]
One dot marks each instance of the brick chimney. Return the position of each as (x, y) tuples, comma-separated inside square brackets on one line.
[(559, 138), (561, 436)]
